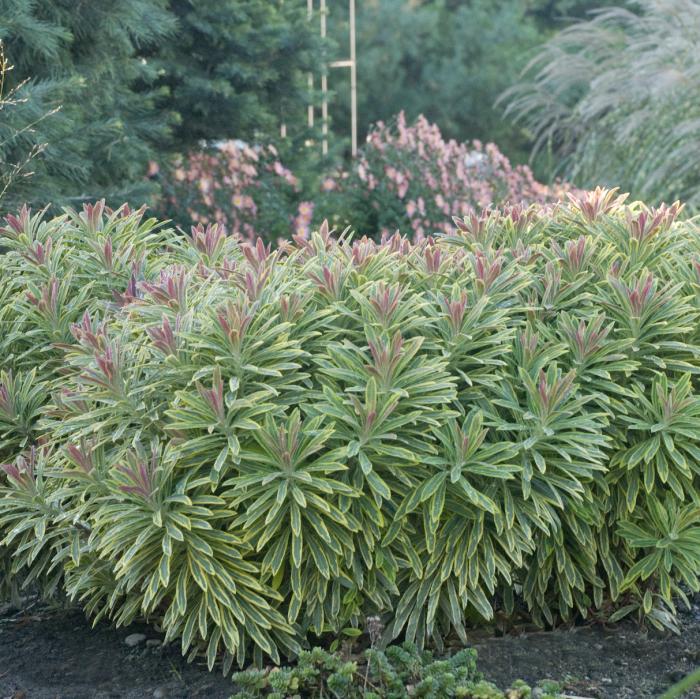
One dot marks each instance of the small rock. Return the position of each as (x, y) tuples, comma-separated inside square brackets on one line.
[(153, 642), (598, 646), (606, 680), (134, 639), (160, 693)]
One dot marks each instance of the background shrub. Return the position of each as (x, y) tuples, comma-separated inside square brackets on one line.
[(256, 447), (407, 178), (410, 178), (246, 189), (131, 83)]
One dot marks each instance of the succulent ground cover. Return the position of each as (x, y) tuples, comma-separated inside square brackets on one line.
[(258, 448), (398, 672)]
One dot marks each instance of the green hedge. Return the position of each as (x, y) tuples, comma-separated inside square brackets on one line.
[(254, 448)]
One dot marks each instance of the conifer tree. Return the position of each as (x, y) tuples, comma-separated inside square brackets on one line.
[(129, 81), (87, 59), (237, 68)]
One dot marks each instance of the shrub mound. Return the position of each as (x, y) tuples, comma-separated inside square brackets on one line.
[(253, 448), (411, 175), (407, 177), (247, 189)]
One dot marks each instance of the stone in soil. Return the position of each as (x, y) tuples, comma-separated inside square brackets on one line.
[(135, 639)]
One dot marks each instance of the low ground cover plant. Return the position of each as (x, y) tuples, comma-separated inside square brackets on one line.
[(255, 448), (399, 672)]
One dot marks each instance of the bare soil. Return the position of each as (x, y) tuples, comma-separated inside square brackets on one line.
[(613, 662), (55, 654)]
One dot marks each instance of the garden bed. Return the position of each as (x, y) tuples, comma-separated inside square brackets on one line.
[(54, 654)]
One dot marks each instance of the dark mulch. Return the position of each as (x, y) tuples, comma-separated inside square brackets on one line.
[(55, 654), (614, 662)]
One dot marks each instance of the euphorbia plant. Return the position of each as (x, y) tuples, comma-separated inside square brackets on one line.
[(255, 447)]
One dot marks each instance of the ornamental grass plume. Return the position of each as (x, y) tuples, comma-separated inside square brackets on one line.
[(615, 100)]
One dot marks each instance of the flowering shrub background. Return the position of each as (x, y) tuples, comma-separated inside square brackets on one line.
[(407, 178), (246, 189)]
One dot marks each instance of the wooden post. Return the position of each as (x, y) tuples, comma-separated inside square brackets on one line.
[(350, 63), (353, 81), (324, 86), (310, 78)]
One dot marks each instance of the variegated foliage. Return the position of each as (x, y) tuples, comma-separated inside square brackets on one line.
[(255, 447)]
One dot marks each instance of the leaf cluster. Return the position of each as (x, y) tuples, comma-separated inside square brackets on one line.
[(398, 672)]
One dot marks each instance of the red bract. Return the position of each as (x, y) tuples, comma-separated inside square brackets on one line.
[(22, 471), (385, 300), (81, 456), (330, 281), (234, 320), (362, 251), (139, 476), (89, 334), (170, 290), (38, 253), (596, 202), (455, 310), (386, 355), (214, 396), (18, 225), (209, 240), (163, 337), (92, 215)]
